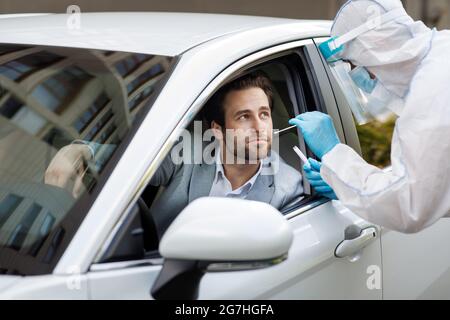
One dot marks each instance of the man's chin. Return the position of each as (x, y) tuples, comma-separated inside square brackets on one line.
[(257, 154)]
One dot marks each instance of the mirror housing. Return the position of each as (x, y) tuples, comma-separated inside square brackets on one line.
[(219, 234)]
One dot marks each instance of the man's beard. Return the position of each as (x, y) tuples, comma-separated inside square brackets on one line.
[(260, 153), (244, 154)]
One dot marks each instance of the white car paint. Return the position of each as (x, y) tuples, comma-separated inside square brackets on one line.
[(69, 287), (416, 266), (159, 33), (203, 230)]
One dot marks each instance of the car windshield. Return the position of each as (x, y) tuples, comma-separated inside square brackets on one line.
[(56, 106)]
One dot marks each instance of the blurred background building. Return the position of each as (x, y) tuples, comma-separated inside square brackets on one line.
[(432, 12)]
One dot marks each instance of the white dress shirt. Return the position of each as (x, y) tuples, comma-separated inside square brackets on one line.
[(221, 186)]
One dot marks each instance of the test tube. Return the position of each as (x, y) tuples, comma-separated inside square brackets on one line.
[(301, 155)]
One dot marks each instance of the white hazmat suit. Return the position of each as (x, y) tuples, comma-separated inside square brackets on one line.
[(412, 62)]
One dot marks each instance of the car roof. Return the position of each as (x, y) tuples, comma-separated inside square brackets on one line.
[(161, 33)]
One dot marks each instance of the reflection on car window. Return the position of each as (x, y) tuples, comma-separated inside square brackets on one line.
[(61, 109)]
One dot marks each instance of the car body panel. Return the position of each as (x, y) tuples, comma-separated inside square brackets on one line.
[(68, 287), (143, 32), (417, 266), (133, 283), (311, 271), (8, 281)]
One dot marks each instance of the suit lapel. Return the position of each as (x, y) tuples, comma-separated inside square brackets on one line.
[(203, 177), (201, 181), (262, 190)]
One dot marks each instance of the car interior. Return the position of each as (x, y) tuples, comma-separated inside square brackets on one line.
[(128, 245)]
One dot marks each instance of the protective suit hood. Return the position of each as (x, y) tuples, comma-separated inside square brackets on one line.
[(414, 192), (393, 51)]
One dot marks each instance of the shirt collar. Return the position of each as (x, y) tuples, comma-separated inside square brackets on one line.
[(220, 174)]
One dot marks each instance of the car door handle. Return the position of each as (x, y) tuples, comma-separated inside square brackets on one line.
[(349, 247)]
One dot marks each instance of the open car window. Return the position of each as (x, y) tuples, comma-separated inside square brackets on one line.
[(53, 99), (174, 186)]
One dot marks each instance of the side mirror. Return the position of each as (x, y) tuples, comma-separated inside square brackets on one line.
[(219, 234)]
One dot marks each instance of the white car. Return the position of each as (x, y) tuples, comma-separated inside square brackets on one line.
[(134, 81)]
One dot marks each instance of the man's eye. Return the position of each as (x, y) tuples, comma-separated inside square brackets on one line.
[(265, 115), (243, 117)]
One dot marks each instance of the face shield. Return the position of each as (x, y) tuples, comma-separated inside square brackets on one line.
[(367, 97)]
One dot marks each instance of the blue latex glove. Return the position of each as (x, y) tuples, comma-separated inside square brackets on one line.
[(318, 131), (312, 172)]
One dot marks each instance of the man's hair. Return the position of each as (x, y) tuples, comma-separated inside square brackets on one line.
[(214, 109)]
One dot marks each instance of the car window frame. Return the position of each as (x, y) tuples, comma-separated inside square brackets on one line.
[(227, 74), (343, 110)]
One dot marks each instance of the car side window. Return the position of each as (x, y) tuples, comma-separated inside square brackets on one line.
[(185, 175), (53, 101), (176, 184)]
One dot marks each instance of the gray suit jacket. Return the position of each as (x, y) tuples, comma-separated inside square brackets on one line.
[(184, 183)]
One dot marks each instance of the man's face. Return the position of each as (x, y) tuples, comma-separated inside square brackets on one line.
[(248, 124)]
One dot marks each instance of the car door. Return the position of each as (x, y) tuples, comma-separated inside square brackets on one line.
[(417, 266), (312, 270)]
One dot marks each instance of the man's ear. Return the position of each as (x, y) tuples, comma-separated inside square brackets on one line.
[(217, 130)]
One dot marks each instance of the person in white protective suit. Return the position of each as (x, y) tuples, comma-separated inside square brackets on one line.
[(399, 65)]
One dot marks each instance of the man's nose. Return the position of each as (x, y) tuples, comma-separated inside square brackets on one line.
[(260, 126)]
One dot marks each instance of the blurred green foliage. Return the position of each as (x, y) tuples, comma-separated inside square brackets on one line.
[(375, 139)]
